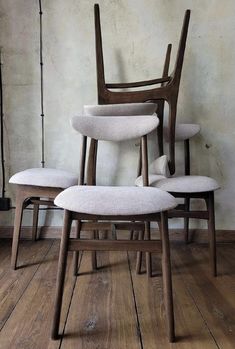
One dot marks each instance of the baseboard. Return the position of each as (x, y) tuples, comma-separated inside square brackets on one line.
[(196, 235)]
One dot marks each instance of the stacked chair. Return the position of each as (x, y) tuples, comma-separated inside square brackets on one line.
[(187, 186)]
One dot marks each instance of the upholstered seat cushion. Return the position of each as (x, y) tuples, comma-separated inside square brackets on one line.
[(183, 132), (120, 109), (45, 177), (115, 128), (100, 200), (183, 184), (152, 179)]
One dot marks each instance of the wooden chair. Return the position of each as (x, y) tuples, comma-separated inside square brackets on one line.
[(187, 187), (98, 203), (36, 186), (167, 92)]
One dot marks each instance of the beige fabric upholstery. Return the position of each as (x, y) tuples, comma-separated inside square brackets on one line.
[(115, 128), (160, 166), (45, 177), (101, 200), (183, 132), (183, 184), (152, 179), (127, 109)]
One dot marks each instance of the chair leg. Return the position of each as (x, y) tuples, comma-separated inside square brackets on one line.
[(61, 274), (187, 200), (35, 222), (20, 198), (76, 253), (139, 255), (148, 254), (166, 275), (211, 231), (186, 221), (93, 253)]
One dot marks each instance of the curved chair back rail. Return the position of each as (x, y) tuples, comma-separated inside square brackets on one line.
[(167, 91), (115, 128), (128, 109)]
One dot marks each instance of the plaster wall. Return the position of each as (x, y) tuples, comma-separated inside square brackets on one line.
[(135, 36)]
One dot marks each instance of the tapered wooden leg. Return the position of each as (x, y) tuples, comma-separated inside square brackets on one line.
[(166, 275), (148, 254), (61, 274), (139, 255), (186, 221), (35, 221), (95, 234), (187, 200), (76, 253), (211, 231), (20, 198)]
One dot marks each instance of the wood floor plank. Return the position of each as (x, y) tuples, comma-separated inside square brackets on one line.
[(214, 297), (14, 282), (191, 331), (30, 324), (102, 312)]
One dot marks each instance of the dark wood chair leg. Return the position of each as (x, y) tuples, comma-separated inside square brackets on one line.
[(35, 222), (93, 253), (166, 275), (76, 253), (212, 233), (61, 274), (186, 221), (148, 254), (187, 200), (20, 198), (139, 255)]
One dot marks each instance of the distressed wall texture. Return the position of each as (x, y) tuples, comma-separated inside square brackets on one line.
[(135, 35)]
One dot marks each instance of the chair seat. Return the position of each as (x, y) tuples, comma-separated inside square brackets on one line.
[(183, 132), (101, 200), (182, 184), (45, 177)]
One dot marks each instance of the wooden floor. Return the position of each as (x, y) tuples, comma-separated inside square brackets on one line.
[(113, 308)]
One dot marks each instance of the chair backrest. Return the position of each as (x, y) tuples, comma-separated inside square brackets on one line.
[(112, 128), (168, 90)]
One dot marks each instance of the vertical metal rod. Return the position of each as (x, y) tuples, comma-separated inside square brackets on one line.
[(41, 85), (2, 129)]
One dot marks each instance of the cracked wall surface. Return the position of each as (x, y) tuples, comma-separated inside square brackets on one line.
[(135, 36)]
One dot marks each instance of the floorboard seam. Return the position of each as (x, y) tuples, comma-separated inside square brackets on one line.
[(67, 315), (197, 307), (135, 304), (24, 290)]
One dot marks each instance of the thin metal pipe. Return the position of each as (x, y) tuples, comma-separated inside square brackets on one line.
[(2, 128), (41, 85)]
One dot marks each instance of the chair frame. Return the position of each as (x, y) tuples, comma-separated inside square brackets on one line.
[(171, 84), (32, 195), (77, 244)]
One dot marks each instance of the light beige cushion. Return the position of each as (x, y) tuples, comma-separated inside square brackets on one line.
[(100, 200), (160, 166), (45, 177), (120, 109), (184, 184), (183, 132), (115, 128), (152, 179)]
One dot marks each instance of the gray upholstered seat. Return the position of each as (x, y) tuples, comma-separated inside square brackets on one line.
[(182, 184), (115, 128), (183, 132), (45, 177), (100, 200), (120, 109)]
